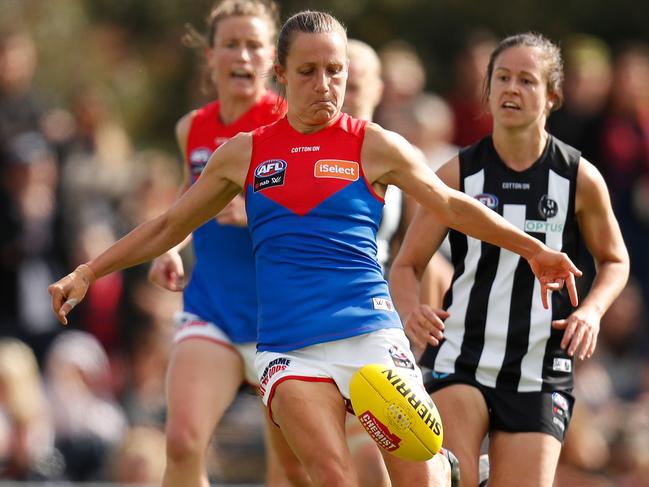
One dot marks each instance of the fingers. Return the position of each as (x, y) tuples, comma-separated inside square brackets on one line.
[(560, 324), (579, 338), (66, 308), (167, 272), (545, 291), (570, 327), (425, 326), (584, 350), (57, 301), (572, 290), (175, 281)]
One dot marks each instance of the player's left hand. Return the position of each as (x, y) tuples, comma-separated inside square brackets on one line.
[(234, 213), (581, 330), (554, 270)]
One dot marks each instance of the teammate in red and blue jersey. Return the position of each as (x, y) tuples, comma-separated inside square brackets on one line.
[(314, 184)]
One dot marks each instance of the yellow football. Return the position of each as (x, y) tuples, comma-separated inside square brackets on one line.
[(399, 415)]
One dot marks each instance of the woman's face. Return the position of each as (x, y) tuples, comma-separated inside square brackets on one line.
[(518, 94), (241, 57), (314, 77)]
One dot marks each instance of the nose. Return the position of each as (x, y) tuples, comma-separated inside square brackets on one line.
[(322, 82), (511, 86), (244, 53)]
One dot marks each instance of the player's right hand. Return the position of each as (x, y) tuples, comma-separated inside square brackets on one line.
[(424, 326), (167, 271), (68, 292)]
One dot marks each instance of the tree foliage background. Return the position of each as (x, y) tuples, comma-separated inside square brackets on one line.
[(131, 50)]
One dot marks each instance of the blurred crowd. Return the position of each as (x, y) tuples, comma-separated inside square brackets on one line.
[(87, 403)]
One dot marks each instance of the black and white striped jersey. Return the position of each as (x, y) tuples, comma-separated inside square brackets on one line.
[(498, 332)]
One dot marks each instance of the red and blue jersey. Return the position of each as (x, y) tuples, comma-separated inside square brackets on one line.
[(313, 218), (222, 286)]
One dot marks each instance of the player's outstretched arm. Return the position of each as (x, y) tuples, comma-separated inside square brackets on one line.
[(393, 160), (221, 180)]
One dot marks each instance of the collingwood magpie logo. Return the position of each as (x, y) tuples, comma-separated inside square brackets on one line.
[(548, 208)]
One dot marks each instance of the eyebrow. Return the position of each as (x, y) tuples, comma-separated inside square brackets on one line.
[(500, 68)]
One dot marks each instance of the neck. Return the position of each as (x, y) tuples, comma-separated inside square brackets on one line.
[(232, 108), (519, 149), (305, 126)]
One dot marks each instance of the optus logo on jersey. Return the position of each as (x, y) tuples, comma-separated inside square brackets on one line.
[(540, 226), (336, 169), (269, 173)]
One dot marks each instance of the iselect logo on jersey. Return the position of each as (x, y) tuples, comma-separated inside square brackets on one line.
[(336, 169)]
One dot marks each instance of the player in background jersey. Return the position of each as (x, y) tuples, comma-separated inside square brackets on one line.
[(214, 345), (313, 184), (502, 364)]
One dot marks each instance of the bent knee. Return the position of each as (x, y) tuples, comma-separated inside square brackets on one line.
[(296, 475), (185, 443), (331, 473)]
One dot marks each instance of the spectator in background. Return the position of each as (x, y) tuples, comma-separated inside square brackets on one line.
[(623, 342), (624, 153), (25, 424), (431, 125), (20, 107), (97, 164), (588, 78), (88, 422), (404, 77), (31, 247), (472, 120)]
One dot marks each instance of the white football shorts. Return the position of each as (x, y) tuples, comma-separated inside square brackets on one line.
[(189, 325), (335, 361)]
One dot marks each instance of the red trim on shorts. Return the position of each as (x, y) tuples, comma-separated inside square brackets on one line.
[(209, 339), (292, 377)]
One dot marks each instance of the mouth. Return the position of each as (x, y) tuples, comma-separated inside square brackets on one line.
[(241, 73), (510, 105)]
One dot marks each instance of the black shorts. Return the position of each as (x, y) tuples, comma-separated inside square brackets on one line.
[(517, 412)]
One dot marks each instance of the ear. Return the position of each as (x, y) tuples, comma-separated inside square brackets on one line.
[(279, 73), (208, 53), (549, 104)]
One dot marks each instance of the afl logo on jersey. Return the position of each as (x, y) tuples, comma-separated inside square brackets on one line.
[(269, 173), (198, 159), (489, 200), (548, 207)]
